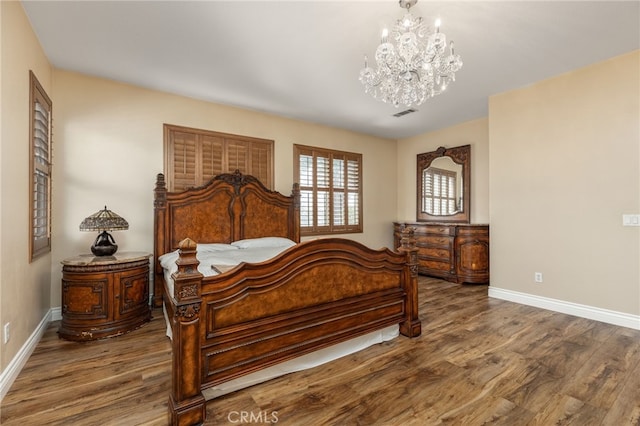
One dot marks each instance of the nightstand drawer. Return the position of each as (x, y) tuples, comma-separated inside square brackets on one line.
[(85, 297)]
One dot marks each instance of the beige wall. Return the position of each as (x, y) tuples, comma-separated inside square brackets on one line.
[(564, 167), (24, 287), (474, 133), (109, 150)]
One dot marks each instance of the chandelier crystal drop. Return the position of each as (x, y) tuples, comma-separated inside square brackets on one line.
[(416, 68)]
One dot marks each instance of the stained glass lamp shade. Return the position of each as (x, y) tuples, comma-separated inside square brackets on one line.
[(103, 221)]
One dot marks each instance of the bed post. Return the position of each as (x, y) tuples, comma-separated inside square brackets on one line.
[(294, 214), (160, 208), (186, 403), (411, 326)]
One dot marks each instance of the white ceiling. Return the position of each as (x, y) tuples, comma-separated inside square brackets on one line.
[(301, 59)]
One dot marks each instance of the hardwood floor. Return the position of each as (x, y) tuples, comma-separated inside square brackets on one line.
[(478, 361)]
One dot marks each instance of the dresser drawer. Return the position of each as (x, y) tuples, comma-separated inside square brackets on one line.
[(434, 265), (434, 253), (429, 230), (473, 231), (434, 241)]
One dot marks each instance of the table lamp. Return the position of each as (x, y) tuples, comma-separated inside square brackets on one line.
[(104, 221)]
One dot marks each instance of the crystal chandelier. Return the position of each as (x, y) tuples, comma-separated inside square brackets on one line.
[(417, 68)]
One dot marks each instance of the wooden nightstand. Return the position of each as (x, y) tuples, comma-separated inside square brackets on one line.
[(104, 296)]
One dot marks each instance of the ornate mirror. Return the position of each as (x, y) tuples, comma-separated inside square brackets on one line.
[(444, 182)]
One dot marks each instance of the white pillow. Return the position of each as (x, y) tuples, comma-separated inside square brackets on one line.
[(167, 260), (207, 248), (263, 242)]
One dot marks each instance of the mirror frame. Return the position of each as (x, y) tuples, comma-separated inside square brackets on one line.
[(460, 155)]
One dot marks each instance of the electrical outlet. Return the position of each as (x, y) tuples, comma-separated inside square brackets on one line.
[(537, 277), (631, 220), (7, 332)]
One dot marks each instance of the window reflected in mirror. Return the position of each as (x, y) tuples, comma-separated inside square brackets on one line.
[(443, 185), (442, 188)]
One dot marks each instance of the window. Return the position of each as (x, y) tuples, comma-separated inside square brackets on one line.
[(193, 156), (439, 196), (40, 166), (330, 190)]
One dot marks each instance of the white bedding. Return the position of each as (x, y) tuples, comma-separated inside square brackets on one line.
[(253, 251)]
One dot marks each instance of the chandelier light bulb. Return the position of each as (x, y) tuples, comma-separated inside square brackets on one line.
[(417, 67)]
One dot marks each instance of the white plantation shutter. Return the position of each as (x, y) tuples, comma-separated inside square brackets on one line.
[(331, 190), (306, 173), (438, 191), (339, 207), (323, 185), (354, 191)]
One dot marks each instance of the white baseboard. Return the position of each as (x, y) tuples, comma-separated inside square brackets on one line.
[(9, 374), (56, 314), (590, 312)]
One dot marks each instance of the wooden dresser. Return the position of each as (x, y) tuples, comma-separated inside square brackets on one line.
[(453, 251), (104, 296)]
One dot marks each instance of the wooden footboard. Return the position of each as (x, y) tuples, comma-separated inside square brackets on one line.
[(311, 296)]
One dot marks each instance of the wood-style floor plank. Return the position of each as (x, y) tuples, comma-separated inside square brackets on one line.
[(479, 361)]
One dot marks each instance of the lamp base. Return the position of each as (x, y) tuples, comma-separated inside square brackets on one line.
[(104, 245)]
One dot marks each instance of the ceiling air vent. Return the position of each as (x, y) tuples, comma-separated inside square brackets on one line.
[(405, 112)]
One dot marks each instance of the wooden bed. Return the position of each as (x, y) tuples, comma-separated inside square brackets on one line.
[(313, 295)]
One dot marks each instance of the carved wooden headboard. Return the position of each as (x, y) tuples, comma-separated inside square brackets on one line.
[(230, 207)]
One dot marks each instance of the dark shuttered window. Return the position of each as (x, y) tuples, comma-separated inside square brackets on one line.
[(193, 156)]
